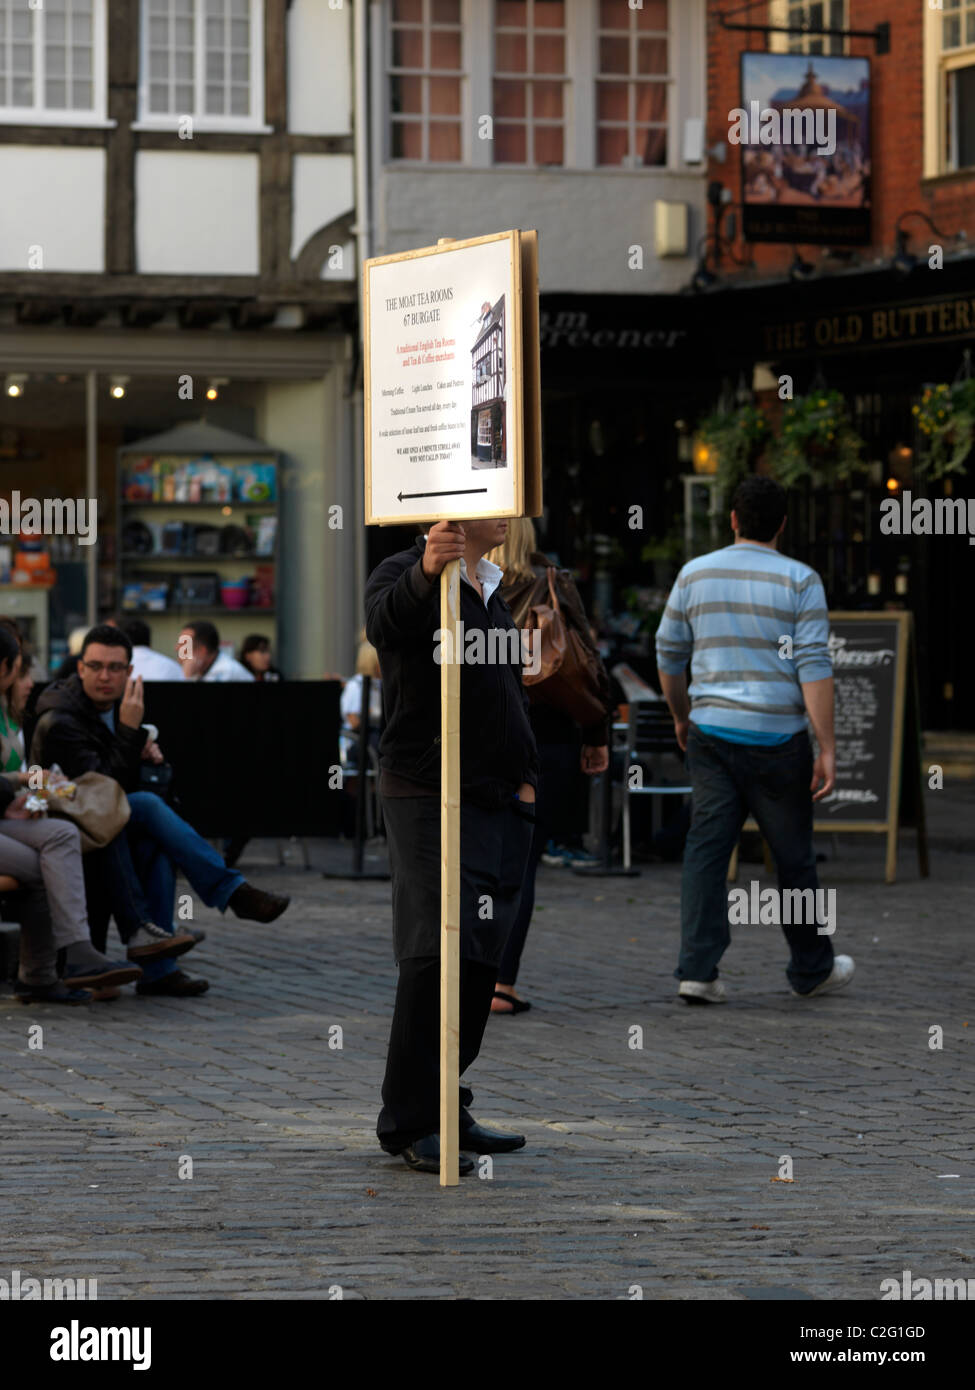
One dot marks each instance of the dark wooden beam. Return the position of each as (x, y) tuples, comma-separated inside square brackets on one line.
[(62, 287), (62, 135), (123, 84), (201, 313), (38, 311), (275, 174), (141, 315), (253, 314), (84, 314)]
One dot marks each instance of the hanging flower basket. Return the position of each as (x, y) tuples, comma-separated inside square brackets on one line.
[(816, 434), (946, 424), (732, 440)]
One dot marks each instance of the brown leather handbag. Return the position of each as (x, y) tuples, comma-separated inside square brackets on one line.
[(568, 675)]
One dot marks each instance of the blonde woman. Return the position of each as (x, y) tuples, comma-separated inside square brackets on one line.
[(563, 748)]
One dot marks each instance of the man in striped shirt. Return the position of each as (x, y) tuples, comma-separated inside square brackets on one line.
[(753, 625)]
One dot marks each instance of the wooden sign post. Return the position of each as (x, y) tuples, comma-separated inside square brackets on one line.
[(452, 406)]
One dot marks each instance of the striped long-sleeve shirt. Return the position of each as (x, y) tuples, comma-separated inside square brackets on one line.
[(728, 614)]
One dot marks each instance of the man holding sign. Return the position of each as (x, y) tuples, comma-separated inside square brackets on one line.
[(499, 768)]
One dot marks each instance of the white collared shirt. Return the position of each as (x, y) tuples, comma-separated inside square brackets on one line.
[(487, 573)]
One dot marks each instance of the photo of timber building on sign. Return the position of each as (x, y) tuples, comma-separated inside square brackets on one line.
[(488, 443)]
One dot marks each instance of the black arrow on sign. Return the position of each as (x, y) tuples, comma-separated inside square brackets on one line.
[(448, 492)]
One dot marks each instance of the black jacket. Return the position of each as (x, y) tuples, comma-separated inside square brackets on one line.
[(497, 747), (70, 733)]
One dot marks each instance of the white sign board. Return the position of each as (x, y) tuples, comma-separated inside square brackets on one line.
[(443, 382)]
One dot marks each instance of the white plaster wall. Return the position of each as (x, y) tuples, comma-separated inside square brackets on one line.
[(586, 221), (53, 199), (319, 68), (196, 214), (322, 189)]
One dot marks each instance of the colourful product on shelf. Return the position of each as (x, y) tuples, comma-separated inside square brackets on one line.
[(142, 481), (235, 593), (255, 482)]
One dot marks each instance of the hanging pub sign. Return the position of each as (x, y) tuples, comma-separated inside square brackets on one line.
[(804, 131)]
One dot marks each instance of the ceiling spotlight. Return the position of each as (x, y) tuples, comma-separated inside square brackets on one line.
[(213, 389), (14, 383), (117, 385)]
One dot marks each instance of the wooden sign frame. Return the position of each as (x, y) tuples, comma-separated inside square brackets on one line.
[(522, 375)]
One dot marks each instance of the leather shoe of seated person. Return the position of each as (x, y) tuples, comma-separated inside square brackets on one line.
[(478, 1140), (254, 905), (423, 1155)]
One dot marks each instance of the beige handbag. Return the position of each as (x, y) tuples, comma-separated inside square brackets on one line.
[(99, 808)]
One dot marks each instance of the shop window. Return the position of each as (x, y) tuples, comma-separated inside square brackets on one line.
[(202, 59), (819, 14), (52, 62), (631, 85), (529, 82), (424, 69)]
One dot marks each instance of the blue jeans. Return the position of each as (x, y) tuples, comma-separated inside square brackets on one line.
[(161, 842), (729, 780)]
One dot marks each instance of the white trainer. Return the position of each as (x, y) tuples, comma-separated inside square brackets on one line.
[(841, 975), (702, 992)]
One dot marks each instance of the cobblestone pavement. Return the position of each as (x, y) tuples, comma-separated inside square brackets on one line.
[(654, 1167)]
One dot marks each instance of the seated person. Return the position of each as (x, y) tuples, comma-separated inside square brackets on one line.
[(255, 655), (198, 650), (93, 722)]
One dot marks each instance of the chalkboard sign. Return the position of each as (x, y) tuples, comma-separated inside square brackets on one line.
[(867, 674), (878, 739)]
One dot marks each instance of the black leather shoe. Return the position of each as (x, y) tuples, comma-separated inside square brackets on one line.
[(178, 982), (423, 1155), (477, 1140), (255, 905)]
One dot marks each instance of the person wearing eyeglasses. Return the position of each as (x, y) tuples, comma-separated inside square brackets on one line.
[(92, 722)]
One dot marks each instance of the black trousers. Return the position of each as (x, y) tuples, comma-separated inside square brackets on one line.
[(411, 1087)]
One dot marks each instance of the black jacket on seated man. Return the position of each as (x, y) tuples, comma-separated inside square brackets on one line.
[(498, 766), (497, 746), (70, 732)]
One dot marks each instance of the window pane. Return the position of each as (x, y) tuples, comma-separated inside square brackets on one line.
[(183, 66), (510, 144), (511, 53), (445, 96), (23, 58), (158, 33), (651, 101), (444, 50), (511, 12), (215, 33), (407, 11), (611, 145), (445, 141), (614, 14), (183, 33), (183, 94), (158, 97), (81, 62), (23, 91), (406, 94), (240, 33), (549, 14), (548, 144), (214, 65), (965, 97), (158, 65), (215, 100), (952, 31), (445, 11), (240, 67), (652, 146), (55, 94), (21, 24), (407, 140), (54, 60), (81, 96), (55, 26), (612, 101), (653, 16), (549, 54), (547, 101), (651, 56), (614, 55), (509, 99), (407, 48), (240, 101), (970, 26)]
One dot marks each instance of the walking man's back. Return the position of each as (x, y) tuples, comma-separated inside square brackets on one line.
[(754, 626)]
